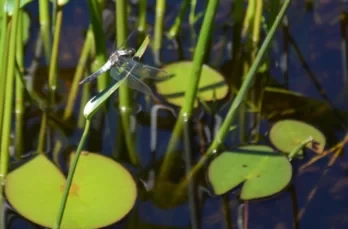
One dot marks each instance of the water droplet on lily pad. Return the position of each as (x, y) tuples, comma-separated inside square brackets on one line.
[(102, 193), (211, 85)]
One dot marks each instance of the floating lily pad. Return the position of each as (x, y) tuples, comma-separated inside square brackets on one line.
[(102, 193), (173, 89), (285, 135), (263, 171), (279, 104)]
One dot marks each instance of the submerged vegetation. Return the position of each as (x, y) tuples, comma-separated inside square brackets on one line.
[(88, 155)]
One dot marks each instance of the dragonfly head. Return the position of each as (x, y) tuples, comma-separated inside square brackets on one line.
[(131, 51), (126, 52)]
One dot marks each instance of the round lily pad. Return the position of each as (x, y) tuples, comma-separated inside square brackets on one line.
[(286, 135), (263, 171), (211, 85), (102, 192)]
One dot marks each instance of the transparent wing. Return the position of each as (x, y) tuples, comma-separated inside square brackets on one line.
[(138, 85), (140, 70), (133, 82), (116, 74)]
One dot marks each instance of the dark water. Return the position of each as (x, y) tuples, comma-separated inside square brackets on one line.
[(318, 37)]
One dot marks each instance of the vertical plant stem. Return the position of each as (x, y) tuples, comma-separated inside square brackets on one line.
[(71, 175), (81, 66), (121, 22), (248, 22), (45, 28), (160, 10), (53, 65), (95, 10), (249, 16), (192, 85), (125, 105), (42, 133), (84, 100), (247, 83), (227, 211), (192, 188), (173, 31), (19, 89), (285, 55), (4, 33), (255, 116), (10, 77), (52, 80), (192, 20), (142, 16)]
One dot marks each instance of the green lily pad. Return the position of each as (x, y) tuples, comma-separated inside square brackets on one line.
[(173, 89), (285, 135), (263, 171), (102, 193), (279, 104)]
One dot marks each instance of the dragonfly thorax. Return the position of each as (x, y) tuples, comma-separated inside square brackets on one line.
[(124, 52)]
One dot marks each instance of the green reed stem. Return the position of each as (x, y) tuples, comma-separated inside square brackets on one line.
[(159, 24), (42, 132), (80, 69), (84, 99), (45, 34), (192, 85), (89, 110), (53, 65), (19, 90), (173, 31), (95, 11), (125, 105), (256, 117), (52, 75), (10, 78), (54, 14), (142, 16), (71, 174), (192, 20), (3, 59), (45, 28), (257, 26), (249, 17), (192, 15), (247, 83)]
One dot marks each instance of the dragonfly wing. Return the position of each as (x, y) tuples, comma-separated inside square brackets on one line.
[(138, 85), (116, 74), (132, 81), (152, 72), (140, 70), (103, 69)]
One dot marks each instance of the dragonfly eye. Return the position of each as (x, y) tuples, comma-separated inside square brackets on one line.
[(131, 51)]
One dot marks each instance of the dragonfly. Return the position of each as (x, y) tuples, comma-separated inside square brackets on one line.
[(122, 64)]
